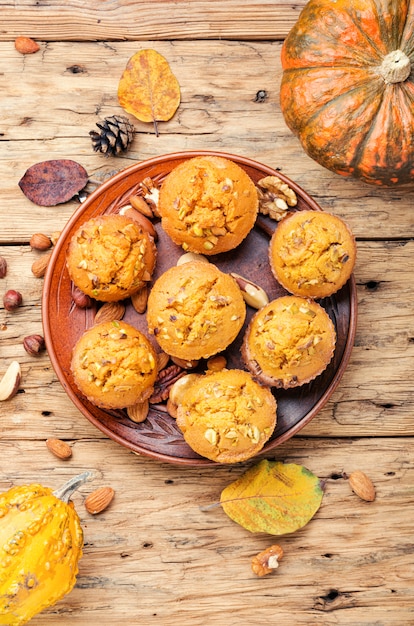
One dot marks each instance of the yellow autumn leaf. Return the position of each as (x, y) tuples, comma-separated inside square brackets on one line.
[(148, 89), (273, 497)]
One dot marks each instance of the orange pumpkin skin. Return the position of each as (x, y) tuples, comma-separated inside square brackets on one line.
[(347, 89)]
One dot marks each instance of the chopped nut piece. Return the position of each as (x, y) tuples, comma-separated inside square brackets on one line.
[(211, 436), (267, 561)]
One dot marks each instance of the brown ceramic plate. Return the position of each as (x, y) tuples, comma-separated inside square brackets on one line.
[(158, 436)]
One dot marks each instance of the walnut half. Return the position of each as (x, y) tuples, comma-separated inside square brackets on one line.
[(275, 197)]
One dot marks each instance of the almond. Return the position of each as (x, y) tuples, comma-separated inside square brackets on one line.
[(39, 241), (140, 219), (99, 500), (138, 203), (59, 448), (138, 412), (139, 299), (186, 364), (110, 312), (162, 360), (26, 45), (362, 486), (39, 267)]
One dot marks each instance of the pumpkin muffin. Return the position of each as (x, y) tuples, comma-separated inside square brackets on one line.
[(195, 310), (289, 342), (114, 365), (227, 416), (312, 253), (110, 257), (208, 204)]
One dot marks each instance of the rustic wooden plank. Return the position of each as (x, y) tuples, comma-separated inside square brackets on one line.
[(54, 98), (375, 394), (148, 556), (154, 19)]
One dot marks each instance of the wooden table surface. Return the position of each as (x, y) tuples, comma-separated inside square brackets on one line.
[(155, 556)]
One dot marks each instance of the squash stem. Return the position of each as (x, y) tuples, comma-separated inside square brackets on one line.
[(65, 492), (395, 67)]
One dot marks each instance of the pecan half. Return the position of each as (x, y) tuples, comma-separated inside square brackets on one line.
[(165, 380)]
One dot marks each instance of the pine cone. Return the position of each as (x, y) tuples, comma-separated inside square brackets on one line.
[(116, 134)]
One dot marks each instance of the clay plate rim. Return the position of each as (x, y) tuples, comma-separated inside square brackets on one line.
[(56, 270)]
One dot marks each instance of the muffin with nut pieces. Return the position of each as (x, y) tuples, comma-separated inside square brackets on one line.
[(289, 342), (208, 204), (110, 257), (312, 253), (227, 416), (195, 310), (114, 365)]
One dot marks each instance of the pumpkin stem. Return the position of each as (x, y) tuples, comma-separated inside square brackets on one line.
[(396, 67), (64, 493)]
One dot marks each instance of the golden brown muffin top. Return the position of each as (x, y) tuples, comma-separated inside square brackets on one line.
[(114, 365), (110, 257), (289, 342), (312, 253), (208, 204), (195, 310), (226, 416)]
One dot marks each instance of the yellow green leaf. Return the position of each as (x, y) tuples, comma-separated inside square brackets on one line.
[(148, 89), (273, 497)]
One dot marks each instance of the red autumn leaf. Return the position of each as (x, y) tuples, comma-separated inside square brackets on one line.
[(53, 182)]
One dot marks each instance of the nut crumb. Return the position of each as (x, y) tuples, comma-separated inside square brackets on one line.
[(267, 561)]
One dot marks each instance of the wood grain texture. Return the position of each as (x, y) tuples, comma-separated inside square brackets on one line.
[(54, 98), (154, 556), (148, 556), (129, 20)]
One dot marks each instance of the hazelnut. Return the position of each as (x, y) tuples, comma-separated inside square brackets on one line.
[(81, 299), (3, 267), (34, 344), (12, 300), (39, 241)]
